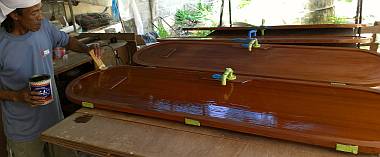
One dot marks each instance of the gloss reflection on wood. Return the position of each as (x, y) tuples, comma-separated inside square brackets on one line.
[(314, 113), (286, 27), (311, 40), (313, 29), (307, 63)]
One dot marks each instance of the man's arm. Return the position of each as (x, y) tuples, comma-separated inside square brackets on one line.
[(22, 96), (77, 46), (8, 95)]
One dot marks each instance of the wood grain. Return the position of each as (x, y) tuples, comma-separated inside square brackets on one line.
[(303, 63), (119, 134), (316, 40), (313, 113), (314, 29)]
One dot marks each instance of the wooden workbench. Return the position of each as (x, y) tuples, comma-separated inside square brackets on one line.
[(120, 134), (73, 60)]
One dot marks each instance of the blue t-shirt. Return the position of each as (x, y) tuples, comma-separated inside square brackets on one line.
[(20, 58)]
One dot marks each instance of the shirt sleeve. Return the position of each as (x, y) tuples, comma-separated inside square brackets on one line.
[(59, 38)]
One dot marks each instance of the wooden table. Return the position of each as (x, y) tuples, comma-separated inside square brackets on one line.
[(118, 134), (72, 60)]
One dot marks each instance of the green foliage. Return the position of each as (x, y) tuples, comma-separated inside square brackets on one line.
[(244, 3), (348, 1), (201, 33), (337, 20), (205, 9), (162, 33), (189, 17), (326, 20)]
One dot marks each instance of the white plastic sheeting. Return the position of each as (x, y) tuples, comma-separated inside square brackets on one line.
[(128, 10)]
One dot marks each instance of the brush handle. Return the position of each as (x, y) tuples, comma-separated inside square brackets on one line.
[(99, 63)]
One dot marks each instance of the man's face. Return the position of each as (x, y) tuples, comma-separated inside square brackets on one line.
[(31, 18)]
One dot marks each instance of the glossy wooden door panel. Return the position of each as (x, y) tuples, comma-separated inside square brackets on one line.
[(313, 113), (285, 27), (306, 63), (316, 40), (313, 29)]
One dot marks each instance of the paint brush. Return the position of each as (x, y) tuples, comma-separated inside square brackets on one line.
[(98, 62)]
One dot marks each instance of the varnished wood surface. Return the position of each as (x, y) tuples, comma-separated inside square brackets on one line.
[(313, 113), (317, 29), (313, 26), (286, 39), (320, 64), (371, 29), (119, 134)]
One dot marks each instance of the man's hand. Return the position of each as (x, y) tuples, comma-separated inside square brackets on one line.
[(95, 53), (77, 46), (30, 98), (97, 49)]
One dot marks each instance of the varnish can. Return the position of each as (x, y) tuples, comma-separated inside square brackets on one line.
[(59, 52), (42, 85)]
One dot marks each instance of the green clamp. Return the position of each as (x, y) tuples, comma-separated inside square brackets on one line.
[(88, 104), (347, 148), (262, 25), (253, 43), (228, 75), (262, 32), (192, 122)]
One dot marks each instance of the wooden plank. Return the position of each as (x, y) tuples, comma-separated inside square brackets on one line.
[(326, 29), (129, 37), (317, 40), (312, 26), (372, 29), (113, 133), (124, 138)]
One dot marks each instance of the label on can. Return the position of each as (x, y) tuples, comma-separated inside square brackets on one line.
[(59, 52), (41, 84)]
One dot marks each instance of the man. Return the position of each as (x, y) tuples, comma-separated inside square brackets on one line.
[(26, 44)]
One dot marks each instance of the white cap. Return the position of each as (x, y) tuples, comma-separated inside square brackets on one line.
[(7, 6)]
